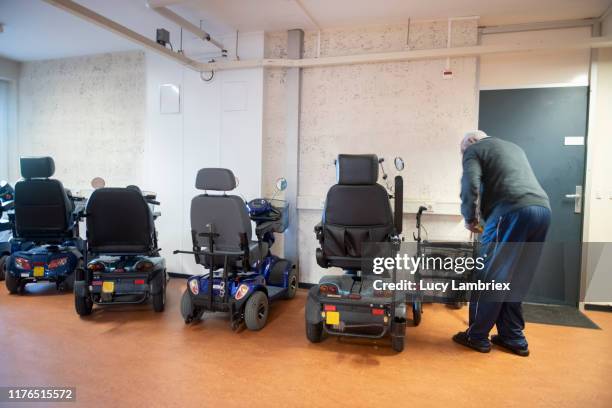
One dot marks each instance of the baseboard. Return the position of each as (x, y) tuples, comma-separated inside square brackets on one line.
[(598, 308)]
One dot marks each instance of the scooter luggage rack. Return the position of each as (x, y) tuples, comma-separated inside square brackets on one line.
[(210, 251)]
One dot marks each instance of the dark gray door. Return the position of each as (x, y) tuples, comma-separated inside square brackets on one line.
[(539, 120)]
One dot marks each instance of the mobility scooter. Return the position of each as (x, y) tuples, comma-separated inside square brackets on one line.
[(358, 215), (6, 203), (243, 276), (45, 226), (124, 265)]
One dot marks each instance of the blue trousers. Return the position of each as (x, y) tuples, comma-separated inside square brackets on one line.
[(515, 264)]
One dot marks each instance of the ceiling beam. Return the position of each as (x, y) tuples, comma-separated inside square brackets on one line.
[(99, 20), (414, 55)]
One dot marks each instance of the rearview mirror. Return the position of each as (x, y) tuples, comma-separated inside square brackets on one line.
[(98, 182), (281, 184), (399, 163)]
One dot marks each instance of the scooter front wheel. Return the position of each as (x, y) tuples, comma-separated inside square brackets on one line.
[(256, 311), (188, 310)]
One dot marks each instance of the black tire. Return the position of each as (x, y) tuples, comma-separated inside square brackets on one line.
[(189, 311), (314, 332), (292, 287), (397, 343), (83, 305), (256, 311), (159, 300), (454, 305), (417, 312), (3, 260), (13, 284)]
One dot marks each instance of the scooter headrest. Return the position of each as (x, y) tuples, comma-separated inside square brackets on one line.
[(357, 169), (37, 167), (215, 179)]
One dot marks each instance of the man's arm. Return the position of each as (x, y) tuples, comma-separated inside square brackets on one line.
[(470, 186)]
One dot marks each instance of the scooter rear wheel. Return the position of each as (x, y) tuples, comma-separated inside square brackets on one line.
[(256, 311), (314, 332), (83, 305), (12, 284), (3, 260)]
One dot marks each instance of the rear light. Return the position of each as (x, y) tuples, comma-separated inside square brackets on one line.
[(96, 266), (194, 286), (378, 312), (328, 289), (329, 308), (241, 292), (139, 281), (23, 263), (144, 266), (57, 262), (354, 296)]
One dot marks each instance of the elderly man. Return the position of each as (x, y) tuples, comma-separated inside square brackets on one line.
[(499, 189)]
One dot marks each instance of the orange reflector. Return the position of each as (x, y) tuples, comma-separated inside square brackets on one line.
[(139, 281), (378, 312), (329, 308)]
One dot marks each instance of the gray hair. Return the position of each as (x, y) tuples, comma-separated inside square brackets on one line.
[(471, 137)]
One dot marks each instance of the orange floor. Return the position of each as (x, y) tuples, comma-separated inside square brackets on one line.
[(133, 357)]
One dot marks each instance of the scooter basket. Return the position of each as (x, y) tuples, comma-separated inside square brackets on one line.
[(436, 275)]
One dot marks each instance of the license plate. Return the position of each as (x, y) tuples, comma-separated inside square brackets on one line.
[(108, 287), (332, 318), (39, 271)]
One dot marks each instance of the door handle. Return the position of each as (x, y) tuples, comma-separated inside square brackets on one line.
[(577, 196)]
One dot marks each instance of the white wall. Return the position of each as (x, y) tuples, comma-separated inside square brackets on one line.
[(535, 69), (392, 109), (88, 114), (220, 125), (9, 73)]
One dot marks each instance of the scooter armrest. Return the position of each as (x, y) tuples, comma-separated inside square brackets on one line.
[(263, 228), (318, 229)]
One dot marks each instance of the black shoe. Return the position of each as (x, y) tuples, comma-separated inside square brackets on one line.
[(463, 339), (498, 341)]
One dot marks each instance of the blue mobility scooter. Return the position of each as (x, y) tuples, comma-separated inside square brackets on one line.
[(243, 276), (357, 212), (46, 245), (124, 265), (7, 193)]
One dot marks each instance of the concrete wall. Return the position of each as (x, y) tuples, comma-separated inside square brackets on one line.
[(535, 69), (88, 113), (9, 74), (597, 253), (394, 109)]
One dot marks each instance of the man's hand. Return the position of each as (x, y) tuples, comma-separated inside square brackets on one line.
[(474, 227)]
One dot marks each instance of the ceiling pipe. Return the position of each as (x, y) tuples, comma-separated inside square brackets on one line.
[(99, 20), (187, 25), (543, 25)]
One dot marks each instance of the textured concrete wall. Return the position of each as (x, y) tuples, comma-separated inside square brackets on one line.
[(393, 109), (88, 113)]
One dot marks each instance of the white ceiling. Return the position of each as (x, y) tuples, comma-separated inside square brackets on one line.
[(268, 15), (35, 30)]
